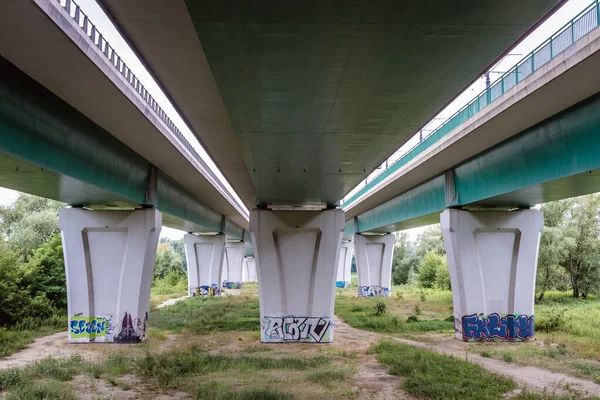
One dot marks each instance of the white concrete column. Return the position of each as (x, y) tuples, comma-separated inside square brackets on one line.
[(374, 263), (344, 270), (492, 258), (232, 265), (249, 272), (297, 256), (204, 255), (109, 260)]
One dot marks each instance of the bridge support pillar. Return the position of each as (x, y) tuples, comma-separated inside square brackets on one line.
[(232, 265), (344, 271), (204, 255), (492, 256), (249, 271), (297, 256), (374, 263), (109, 260)]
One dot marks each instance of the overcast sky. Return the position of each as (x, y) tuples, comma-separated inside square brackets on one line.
[(97, 16)]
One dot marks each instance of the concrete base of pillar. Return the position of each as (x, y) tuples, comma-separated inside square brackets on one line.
[(344, 270), (109, 259), (492, 258), (204, 255), (232, 265), (249, 270), (297, 256), (374, 264)]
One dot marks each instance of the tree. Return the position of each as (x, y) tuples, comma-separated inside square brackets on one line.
[(46, 269), (18, 301), (430, 240), (404, 263), (442, 276), (430, 265), (167, 260), (555, 244), (29, 222), (583, 263)]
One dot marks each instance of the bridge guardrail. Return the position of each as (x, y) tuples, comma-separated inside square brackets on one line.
[(578, 27)]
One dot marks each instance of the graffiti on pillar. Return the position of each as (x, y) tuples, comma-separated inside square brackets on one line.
[(205, 291), (232, 285), (90, 328), (516, 327), (132, 331), (342, 284), (370, 291), (296, 329)]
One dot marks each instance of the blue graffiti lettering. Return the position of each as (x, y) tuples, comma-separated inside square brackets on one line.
[(494, 326), (370, 291)]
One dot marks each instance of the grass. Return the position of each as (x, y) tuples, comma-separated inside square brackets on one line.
[(203, 315), (19, 336), (435, 376), (217, 390), (167, 369), (566, 338), (360, 312)]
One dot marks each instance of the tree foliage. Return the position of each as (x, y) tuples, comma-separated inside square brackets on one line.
[(404, 262), (430, 240), (29, 222), (431, 265), (167, 260)]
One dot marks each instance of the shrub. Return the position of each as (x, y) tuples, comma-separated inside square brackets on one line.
[(417, 310), (412, 318), (554, 323)]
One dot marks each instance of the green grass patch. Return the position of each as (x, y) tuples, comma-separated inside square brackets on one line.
[(216, 390), (435, 376), (359, 312), (208, 315), (167, 368), (327, 377)]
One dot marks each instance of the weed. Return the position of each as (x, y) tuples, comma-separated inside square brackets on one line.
[(399, 295), (423, 297), (508, 357), (379, 308), (412, 318), (486, 354), (417, 310)]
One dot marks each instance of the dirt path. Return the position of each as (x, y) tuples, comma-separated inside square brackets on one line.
[(54, 345), (170, 302), (535, 378), (371, 381)]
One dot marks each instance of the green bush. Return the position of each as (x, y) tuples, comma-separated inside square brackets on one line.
[(432, 265)]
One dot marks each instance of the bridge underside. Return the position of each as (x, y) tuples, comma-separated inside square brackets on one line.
[(318, 94)]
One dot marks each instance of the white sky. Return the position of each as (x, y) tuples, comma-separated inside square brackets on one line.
[(97, 16)]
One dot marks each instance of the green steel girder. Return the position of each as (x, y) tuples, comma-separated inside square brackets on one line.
[(553, 160), (419, 203), (50, 149), (560, 147)]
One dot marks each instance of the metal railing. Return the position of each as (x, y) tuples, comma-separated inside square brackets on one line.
[(82, 20), (578, 27)]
